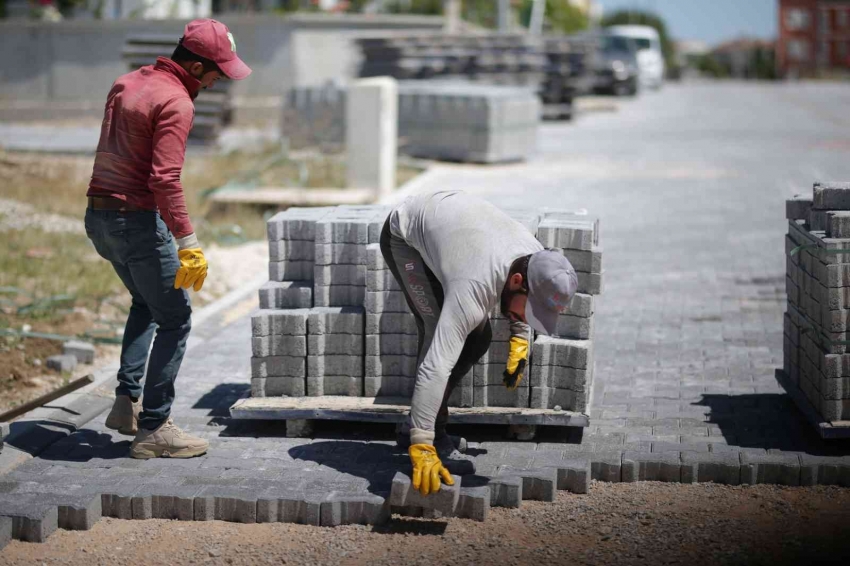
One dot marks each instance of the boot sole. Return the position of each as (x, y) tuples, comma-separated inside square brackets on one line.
[(145, 453)]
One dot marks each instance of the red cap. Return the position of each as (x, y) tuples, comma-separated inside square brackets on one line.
[(211, 39)]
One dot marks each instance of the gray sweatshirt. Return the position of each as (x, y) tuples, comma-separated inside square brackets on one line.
[(470, 245)]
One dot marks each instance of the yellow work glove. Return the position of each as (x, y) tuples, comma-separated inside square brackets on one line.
[(427, 469), (517, 358), (193, 269)]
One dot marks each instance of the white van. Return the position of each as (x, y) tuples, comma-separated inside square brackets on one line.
[(650, 59)]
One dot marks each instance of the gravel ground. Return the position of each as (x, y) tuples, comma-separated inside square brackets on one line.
[(614, 524)]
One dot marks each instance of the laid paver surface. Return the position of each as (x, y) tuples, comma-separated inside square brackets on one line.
[(690, 185)]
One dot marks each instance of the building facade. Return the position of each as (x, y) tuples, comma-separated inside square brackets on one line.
[(814, 37)]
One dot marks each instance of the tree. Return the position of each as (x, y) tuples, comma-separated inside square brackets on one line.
[(641, 18), (560, 14)]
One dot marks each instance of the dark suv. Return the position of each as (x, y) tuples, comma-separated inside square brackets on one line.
[(615, 65)]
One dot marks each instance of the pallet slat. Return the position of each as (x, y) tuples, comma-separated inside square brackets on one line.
[(391, 410)]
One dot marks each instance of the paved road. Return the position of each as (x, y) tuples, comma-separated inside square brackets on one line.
[(690, 184)]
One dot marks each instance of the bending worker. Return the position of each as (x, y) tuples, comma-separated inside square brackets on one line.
[(457, 257), (137, 211)]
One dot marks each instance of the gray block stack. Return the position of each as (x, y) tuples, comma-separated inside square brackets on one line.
[(562, 365), (817, 321), (335, 351), (392, 341), (279, 353), (463, 122), (341, 238), (334, 321)]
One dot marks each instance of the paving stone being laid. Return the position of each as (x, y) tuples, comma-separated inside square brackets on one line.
[(444, 501)]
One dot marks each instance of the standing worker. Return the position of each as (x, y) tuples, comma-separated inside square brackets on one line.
[(457, 257), (136, 211)]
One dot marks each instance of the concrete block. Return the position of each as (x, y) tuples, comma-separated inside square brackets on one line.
[(392, 344), (474, 503), (496, 354), (5, 531), (386, 301), (798, 207), (464, 394), (336, 320), (341, 254), (372, 134), (285, 386), (302, 508), (656, 466), (783, 469), (335, 385), (83, 351), (233, 504), (335, 230), (566, 234), (606, 466), (291, 270), (141, 506), (62, 363), (278, 345), (537, 485), (551, 351), (296, 223), (339, 295), (31, 521), (506, 491), (286, 295), (581, 305), (717, 467), (831, 196), (824, 470), (445, 501), (573, 473), (335, 365), (376, 366), (499, 396), (279, 322), (390, 323), (78, 512), (292, 250), (354, 509), (490, 374), (204, 507), (567, 399), (381, 280), (590, 283), (279, 366), (258, 387), (175, 502), (335, 344), (299, 428), (838, 224), (388, 386), (327, 275), (375, 259), (560, 377), (574, 327), (117, 502)]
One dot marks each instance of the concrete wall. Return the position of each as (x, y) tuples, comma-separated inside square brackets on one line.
[(77, 61)]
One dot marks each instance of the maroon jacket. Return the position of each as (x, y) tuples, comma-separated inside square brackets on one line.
[(139, 158)]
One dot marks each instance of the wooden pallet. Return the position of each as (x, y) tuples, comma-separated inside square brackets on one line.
[(391, 410), (826, 429)]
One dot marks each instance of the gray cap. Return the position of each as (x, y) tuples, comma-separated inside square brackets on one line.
[(552, 282)]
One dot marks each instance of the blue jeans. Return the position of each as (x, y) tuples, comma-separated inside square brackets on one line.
[(142, 251)]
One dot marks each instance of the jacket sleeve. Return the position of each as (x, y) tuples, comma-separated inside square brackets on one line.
[(460, 314), (521, 330), (171, 130)]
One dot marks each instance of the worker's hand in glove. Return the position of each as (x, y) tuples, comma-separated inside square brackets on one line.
[(428, 470), (193, 269), (517, 359)]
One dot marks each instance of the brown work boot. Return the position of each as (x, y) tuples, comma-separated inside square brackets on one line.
[(167, 441), (124, 416)]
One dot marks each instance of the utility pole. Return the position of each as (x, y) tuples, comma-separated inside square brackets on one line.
[(503, 15), (535, 25)]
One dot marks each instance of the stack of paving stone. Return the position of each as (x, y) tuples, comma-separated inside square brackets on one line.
[(495, 59), (314, 116), (562, 364), (568, 71), (353, 333), (467, 122), (817, 321)]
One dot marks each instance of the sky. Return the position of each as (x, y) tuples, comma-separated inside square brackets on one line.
[(712, 21)]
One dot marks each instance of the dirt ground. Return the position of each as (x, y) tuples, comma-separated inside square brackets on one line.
[(640, 523)]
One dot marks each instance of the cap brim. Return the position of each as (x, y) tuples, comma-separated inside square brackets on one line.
[(235, 69), (539, 317)]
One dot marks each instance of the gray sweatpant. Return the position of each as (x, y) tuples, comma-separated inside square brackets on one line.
[(424, 295)]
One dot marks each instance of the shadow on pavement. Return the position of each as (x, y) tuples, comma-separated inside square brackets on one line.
[(221, 397)]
